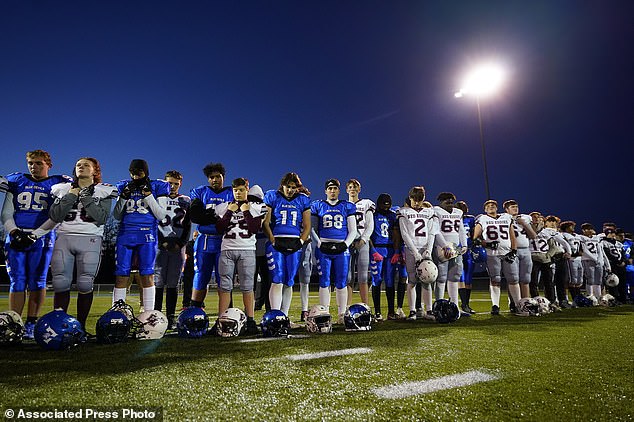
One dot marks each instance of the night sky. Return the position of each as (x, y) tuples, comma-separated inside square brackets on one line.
[(341, 89)]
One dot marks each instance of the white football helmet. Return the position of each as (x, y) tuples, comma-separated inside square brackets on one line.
[(611, 280), (426, 271), (607, 300), (230, 322), (447, 253), (153, 325), (11, 328), (543, 304), (528, 306), (319, 320)]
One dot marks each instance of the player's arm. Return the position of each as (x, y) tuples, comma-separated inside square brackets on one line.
[(528, 228), (435, 236), (352, 230), (306, 224), (512, 237), (477, 232), (369, 227), (561, 240), (225, 220), (407, 238), (462, 235), (45, 228), (62, 206), (187, 228), (314, 219), (254, 224), (7, 213), (98, 211), (266, 226), (157, 210), (119, 208)]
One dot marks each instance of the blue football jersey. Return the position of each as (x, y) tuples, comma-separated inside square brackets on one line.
[(137, 215), (211, 198), (383, 226), (31, 199), (469, 223), (286, 215), (333, 219)]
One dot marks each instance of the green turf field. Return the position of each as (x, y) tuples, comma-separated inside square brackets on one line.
[(573, 365)]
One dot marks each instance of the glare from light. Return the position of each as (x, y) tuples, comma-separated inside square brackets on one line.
[(483, 81)]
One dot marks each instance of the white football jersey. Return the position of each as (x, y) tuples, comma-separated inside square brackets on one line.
[(591, 249), (451, 226), (176, 208), (574, 241), (363, 206), (540, 243), (77, 221), (237, 236), (496, 230), (521, 238), (419, 225)]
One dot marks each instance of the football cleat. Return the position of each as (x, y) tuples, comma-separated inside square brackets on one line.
[(495, 310), (467, 309), (252, 327), (378, 317), (400, 314), (412, 316), (420, 313)]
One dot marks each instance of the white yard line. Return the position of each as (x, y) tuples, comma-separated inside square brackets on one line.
[(399, 391), (320, 355)]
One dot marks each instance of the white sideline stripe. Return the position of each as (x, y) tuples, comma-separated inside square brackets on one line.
[(256, 340), (342, 352), (399, 391)]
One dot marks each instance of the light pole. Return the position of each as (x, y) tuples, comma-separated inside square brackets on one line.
[(482, 81)]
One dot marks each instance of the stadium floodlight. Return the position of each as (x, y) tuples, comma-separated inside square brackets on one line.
[(483, 81)]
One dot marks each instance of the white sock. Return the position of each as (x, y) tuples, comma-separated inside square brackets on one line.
[(439, 290), (411, 296), (495, 294), (275, 295), (148, 298), (514, 290), (119, 293), (427, 298), (596, 291), (287, 296), (324, 296), (303, 295), (342, 300), (452, 289)]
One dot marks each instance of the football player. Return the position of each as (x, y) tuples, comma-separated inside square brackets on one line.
[(207, 246), (523, 233), (305, 269), (173, 235), (449, 259), (287, 226), (238, 222), (334, 228), (81, 208), (593, 260), (466, 279), (139, 213), (495, 232), (360, 257), (548, 243), (418, 227), (613, 250), (574, 266), (29, 243), (382, 253)]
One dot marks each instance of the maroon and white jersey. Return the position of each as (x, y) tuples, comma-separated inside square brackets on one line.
[(238, 236), (176, 208), (450, 226), (521, 238), (574, 241), (363, 206), (77, 221), (591, 249), (418, 228), (496, 230)]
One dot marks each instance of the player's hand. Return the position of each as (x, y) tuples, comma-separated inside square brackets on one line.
[(21, 240), (377, 257), (492, 245), (87, 192), (510, 257), (245, 207), (146, 188), (126, 192), (358, 244), (396, 258), (463, 250), (418, 256), (233, 207), (448, 252)]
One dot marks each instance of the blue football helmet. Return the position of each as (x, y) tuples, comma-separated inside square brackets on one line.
[(445, 311), (478, 254), (58, 331), (11, 328), (358, 317), (275, 323), (583, 301), (113, 327), (193, 322)]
